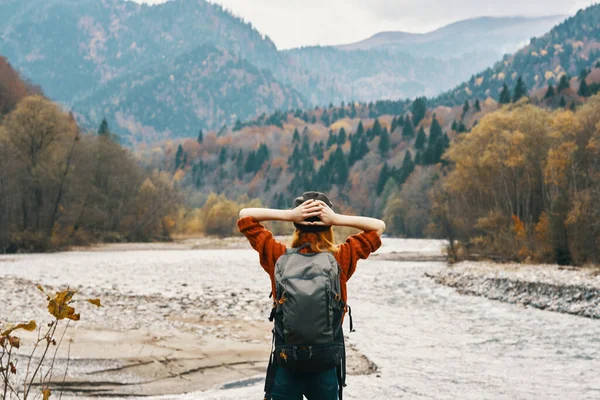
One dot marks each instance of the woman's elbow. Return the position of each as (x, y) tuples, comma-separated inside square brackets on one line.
[(381, 228)]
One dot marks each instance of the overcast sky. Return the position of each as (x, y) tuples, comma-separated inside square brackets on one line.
[(295, 23)]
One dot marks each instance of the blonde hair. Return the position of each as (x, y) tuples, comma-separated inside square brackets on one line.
[(319, 241)]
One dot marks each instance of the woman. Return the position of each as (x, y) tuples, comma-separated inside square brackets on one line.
[(313, 217)]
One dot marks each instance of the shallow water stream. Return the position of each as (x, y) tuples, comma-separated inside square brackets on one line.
[(428, 341)]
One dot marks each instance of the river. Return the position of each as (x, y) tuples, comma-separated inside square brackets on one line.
[(427, 341)]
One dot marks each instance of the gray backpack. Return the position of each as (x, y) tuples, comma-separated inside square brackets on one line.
[(307, 312)]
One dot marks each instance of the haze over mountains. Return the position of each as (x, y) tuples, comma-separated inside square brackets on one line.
[(171, 69), (484, 34)]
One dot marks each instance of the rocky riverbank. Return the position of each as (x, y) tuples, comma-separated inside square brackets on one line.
[(561, 289)]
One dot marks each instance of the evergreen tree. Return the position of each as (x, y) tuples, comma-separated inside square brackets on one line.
[(584, 90), (238, 125), (376, 130), (200, 136), (341, 167), (461, 128), (573, 106), (563, 102), (239, 164), (341, 139), (222, 155), (250, 162), (360, 130), (407, 165), (319, 155), (418, 109), (505, 95), (419, 158), (520, 90), (408, 131), (363, 148), (384, 175), (325, 119), (331, 139), (314, 119), (400, 121), (438, 150), (394, 125), (477, 105), (178, 157), (261, 156), (466, 108), (305, 147), (296, 136), (563, 84), (434, 132), (103, 130), (421, 138), (454, 126), (384, 142), (550, 92)]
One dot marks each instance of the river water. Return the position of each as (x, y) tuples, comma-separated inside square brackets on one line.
[(428, 341)]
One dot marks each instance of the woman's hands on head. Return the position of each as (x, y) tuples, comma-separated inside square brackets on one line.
[(326, 215), (310, 208)]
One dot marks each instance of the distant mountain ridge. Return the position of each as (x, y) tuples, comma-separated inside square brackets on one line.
[(172, 69), (562, 53), (460, 37)]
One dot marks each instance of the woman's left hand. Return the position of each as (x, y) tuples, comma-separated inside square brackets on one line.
[(327, 215)]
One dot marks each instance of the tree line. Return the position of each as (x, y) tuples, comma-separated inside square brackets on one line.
[(60, 186)]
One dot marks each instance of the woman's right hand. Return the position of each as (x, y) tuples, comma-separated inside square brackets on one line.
[(310, 208)]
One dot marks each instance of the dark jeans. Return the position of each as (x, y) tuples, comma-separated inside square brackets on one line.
[(291, 385)]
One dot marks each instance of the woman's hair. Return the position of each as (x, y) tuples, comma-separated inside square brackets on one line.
[(319, 241)]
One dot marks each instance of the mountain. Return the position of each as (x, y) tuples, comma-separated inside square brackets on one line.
[(79, 50), (172, 69), (501, 34), (206, 84), (392, 65), (566, 50)]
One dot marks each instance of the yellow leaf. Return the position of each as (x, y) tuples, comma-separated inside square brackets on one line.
[(30, 326), (46, 394), (58, 306), (95, 302)]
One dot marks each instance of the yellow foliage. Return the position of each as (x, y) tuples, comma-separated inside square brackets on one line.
[(46, 392), (95, 302), (179, 175), (543, 52), (549, 75), (519, 228), (558, 163), (30, 326), (564, 124), (58, 306), (479, 81)]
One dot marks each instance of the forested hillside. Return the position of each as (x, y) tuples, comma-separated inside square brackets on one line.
[(61, 186), (168, 70), (556, 57), (513, 181)]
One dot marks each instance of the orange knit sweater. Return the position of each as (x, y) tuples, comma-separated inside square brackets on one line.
[(356, 247)]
